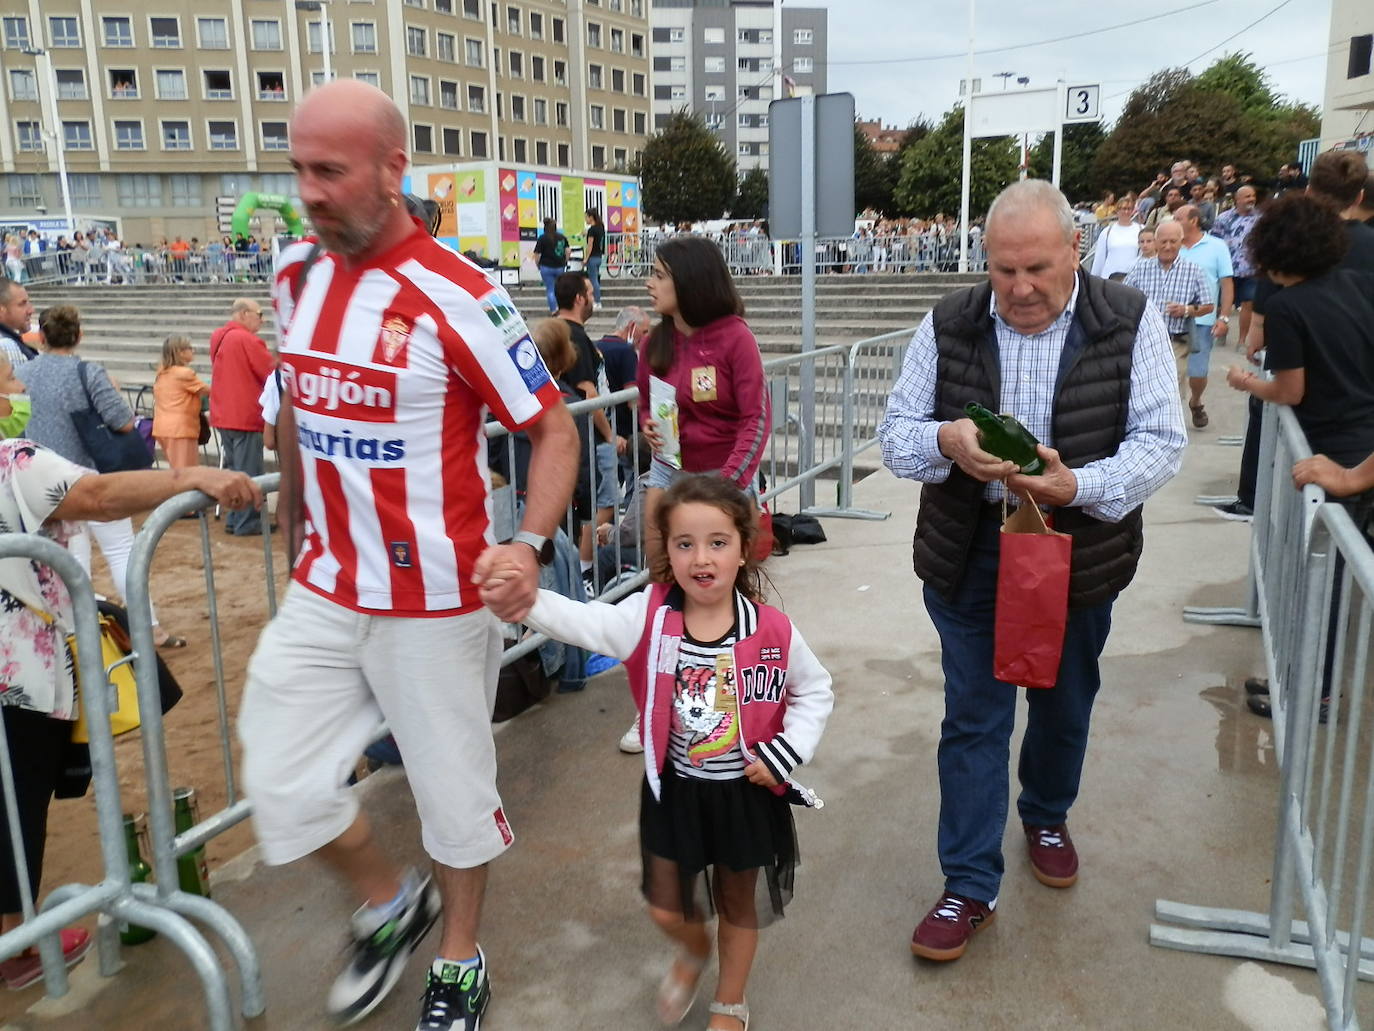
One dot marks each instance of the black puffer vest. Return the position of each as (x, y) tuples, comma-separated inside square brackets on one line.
[(1089, 422)]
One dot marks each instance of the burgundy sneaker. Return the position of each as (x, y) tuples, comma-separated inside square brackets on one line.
[(944, 933), (27, 968), (1052, 857)]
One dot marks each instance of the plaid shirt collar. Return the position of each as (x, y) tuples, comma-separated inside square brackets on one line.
[(1060, 324)]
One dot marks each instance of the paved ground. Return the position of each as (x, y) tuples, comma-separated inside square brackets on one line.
[(1178, 803)]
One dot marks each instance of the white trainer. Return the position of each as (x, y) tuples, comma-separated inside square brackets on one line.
[(630, 743)]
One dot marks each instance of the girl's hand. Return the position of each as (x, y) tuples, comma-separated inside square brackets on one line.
[(759, 774), (651, 434)]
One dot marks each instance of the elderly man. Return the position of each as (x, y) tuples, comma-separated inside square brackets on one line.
[(16, 315), (1174, 198), (1234, 227), (1084, 364), (239, 365), (1214, 258), (1176, 288), (393, 351)]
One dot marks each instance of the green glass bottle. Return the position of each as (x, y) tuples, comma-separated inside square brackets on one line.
[(193, 873), (139, 873), (1003, 436)]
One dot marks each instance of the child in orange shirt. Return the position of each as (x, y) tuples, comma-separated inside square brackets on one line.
[(177, 393)]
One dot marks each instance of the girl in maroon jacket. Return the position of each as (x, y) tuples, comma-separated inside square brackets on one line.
[(703, 351), (731, 700)]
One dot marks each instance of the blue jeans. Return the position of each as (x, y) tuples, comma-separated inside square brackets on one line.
[(975, 736), (593, 268), (1200, 357), (548, 273)]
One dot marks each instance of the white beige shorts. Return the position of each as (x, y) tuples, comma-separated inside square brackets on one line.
[(322, 679)]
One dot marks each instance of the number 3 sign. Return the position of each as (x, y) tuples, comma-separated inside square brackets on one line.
[(1082, 103)]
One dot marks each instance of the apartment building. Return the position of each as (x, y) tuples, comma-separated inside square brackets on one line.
[(160, 113), (1348, 107), (717, 58)]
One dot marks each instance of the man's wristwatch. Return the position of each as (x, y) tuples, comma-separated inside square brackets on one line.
[(543, 546), (1225, 320)]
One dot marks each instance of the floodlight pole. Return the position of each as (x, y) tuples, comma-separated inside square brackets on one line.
[(968, 148)]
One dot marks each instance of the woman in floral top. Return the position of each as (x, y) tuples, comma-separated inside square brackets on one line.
[(44, 494)]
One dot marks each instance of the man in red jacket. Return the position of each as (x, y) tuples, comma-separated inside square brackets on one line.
[(239, 365)]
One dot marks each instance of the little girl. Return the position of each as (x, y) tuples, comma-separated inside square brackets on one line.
[(177, 393), (731, 700)]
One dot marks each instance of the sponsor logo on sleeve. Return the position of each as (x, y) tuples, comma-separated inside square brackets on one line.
[(529, 363)]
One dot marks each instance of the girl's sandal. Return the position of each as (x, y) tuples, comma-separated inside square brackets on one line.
[(676, 995), (738, 1010)]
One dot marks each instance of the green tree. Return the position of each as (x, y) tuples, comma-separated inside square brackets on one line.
[(751, 196), (929, 181), (685, 173), (1081, 141), (873, 179), (916, 131), (1240, 77)]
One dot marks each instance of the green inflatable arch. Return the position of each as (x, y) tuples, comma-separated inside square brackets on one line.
[(251, 202)]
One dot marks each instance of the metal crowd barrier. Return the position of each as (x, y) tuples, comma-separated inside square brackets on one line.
[(1312, 587), (138, 266), (115, 898)]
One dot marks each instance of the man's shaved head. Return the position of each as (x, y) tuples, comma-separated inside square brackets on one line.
[(366, 111)]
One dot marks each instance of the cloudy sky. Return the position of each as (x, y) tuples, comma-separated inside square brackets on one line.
[(872, 43)]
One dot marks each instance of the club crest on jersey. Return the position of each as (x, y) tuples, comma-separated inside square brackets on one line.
[(391, 343), (527, 359), (400, 554)]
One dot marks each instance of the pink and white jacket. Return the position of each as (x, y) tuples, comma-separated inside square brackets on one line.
[(784, 692)]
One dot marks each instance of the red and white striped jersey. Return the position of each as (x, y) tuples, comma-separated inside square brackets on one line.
[(392, 367)]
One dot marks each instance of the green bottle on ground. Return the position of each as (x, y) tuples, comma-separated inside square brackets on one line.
[(193, 873), (1003, 436), (139, 873)]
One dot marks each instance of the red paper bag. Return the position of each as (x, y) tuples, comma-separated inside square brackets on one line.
[(763, 541), (1032, 600)]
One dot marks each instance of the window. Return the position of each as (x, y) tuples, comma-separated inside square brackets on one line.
[(711, 65), (30, 136), (677, 35), (118, 32), (128, 134), (472, 9), (521, 150), (713, 35), (637, 81), (536, 68), (271, 86), (371, 78), (598, 157), (176, 135), (218, 85), (16, 34), (124, 83), (415, 3), (513, 20), (618, 80), (313, 37), (517, 65), (443, 6), (24, 191), (185, 189), (558, 30), (64, 32), (23, 85), (594, 77), (419, 89), (641, 124), (671, 92), (618, 120), (517, 108), (618, 41), (448, 94), (478, 141), (140, 191), (165, 32), (76, 136), (417, 41), (424, 138), (636, 44), (598, 116), (169, 84), (453, 141), (560, 73), (801, 37), (564, 156), (446, 46), (500, 148), (71, 84), (593, 34), (235, 184), (621, 157), (541, 111), (679, 64), (84, 189), (801, 64), (541, 152), (715, 92), (224, 136), (560, 114), (1358, 64), (274, 136), (474, 52), (536, 25), (364, 37), (477, 99), (500, 105), (213, 33), (266, 34)]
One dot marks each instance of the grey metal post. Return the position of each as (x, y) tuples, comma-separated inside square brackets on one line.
[(806, 445)]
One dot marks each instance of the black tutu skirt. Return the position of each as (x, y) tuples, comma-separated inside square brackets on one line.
[(724, 847)]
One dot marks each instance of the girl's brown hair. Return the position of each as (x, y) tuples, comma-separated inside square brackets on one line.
[(704, 288), (171, 351), (710, 489), (554, 340), (60, 326)]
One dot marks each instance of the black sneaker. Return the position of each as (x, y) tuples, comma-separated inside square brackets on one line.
[(1236, 511), (456, 998), (379, 957)]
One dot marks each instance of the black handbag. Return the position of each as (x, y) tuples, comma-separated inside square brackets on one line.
[(110, 452)]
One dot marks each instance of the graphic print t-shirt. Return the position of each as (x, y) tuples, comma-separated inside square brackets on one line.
[(703, 737)]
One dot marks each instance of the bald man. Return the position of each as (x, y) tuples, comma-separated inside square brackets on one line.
[(1084, 364), (239, 365), (393, 350)]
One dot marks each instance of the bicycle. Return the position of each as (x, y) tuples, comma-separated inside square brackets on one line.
[(627, 256)]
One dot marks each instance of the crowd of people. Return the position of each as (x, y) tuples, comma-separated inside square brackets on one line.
[(99, 255)]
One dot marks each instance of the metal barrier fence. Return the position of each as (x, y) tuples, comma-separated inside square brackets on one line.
[(138, 266), (115, 897), (1311, 589)]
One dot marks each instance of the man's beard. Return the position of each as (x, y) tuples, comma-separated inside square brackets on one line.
[(354, 233)]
